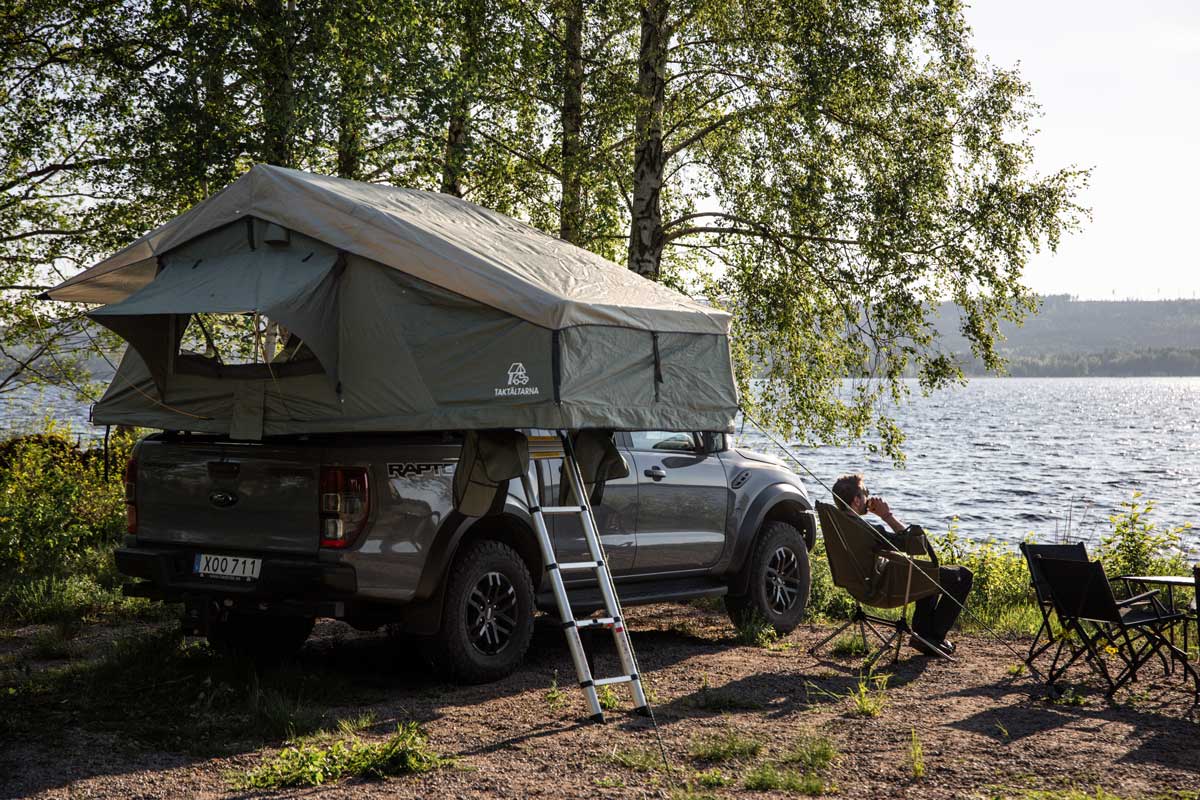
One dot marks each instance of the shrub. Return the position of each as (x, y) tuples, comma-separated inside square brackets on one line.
[(55, 504), (60, 518), (1000, 585), (1138, 546)]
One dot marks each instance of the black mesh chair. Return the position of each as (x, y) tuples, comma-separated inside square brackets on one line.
[(1134, 628), (1041, 590)]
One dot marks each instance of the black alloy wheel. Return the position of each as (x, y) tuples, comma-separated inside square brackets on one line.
[(778, 580), (783, 581), (492, 613), (487, 614)]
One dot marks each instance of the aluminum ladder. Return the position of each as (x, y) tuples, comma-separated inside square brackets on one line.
[(598, 564)]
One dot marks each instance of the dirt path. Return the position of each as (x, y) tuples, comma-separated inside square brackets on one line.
[(981, 733)]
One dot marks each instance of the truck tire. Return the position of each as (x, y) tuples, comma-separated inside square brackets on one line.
[(265, 638), (779, 580), (487, 617)]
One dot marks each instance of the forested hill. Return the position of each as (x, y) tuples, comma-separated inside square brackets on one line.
[(1095, 337)]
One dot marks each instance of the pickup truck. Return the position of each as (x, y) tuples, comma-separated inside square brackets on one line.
[(257, 540)]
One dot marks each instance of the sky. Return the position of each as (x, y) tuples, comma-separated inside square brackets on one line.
[(1118, 86)]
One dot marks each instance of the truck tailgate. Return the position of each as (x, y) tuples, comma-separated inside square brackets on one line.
[(228, 496)]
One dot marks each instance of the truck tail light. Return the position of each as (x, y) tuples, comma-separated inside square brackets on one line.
[(345, 504), (131, 518)]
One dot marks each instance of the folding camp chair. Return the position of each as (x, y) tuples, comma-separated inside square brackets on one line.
[(876, 575), (1031, 551), (1132, 628)]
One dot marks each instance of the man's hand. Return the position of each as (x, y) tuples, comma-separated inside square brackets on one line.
[(879, 507)]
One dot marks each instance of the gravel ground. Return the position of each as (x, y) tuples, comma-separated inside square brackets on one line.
[(982, 731)]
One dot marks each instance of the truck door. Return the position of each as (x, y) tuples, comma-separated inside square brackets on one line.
[(683, 501), (616, 519)]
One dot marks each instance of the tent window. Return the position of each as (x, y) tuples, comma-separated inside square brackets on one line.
[(242, 346)]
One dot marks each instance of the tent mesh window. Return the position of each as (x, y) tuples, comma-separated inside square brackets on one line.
[(246, 345)]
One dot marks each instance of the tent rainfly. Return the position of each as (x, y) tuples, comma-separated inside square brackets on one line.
[(416, 310)]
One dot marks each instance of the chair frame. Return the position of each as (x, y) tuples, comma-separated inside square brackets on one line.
[(1045, 602), (897, 628), (894, 640), (1096, 617)]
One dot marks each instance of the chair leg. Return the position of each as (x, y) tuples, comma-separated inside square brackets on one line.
[(812, 651), (1056, 671), (883, 648), (1034, 649)]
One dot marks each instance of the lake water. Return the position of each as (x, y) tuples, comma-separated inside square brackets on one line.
[(1007, 456), (1011, 457)]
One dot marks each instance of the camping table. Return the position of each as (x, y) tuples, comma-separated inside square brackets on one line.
[(1169, 581)]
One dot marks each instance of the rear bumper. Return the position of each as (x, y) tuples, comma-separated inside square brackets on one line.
[(166, 574)]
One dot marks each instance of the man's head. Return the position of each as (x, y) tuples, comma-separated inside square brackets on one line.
[(851, 492)]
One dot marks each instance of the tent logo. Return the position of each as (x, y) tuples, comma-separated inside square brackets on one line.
[(517, 386), (516, 374)]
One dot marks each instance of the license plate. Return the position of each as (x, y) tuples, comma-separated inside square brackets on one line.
[(236, 567)]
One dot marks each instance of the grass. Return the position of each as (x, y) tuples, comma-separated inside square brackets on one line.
[(916, 756), (640, 760), (712, 778), (608, 697), (157, 689), (770, 778), (1015, 670), (811, 752), (357, 724), (556, 698), (870, 695), (755, 631), (1071, 697), (850, 645), (729, 745), (51, 644), (1076, 793), (407, 751)]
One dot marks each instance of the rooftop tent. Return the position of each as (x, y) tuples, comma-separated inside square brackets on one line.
[(417, 311)]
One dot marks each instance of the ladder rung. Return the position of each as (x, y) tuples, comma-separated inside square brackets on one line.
[(570, 565), (593, 622), (562, 509), (618, 679)]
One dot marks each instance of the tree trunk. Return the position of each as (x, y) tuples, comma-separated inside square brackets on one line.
[(570, 220), (458, 129), (456, 147), (349, 143), (645, 233), (278, 92)]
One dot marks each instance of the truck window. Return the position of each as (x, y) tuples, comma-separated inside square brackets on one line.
[(674, 441)]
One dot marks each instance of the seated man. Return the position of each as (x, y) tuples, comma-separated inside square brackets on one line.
[(934, 616)]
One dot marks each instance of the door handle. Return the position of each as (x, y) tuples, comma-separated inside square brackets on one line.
[(656, 473)]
